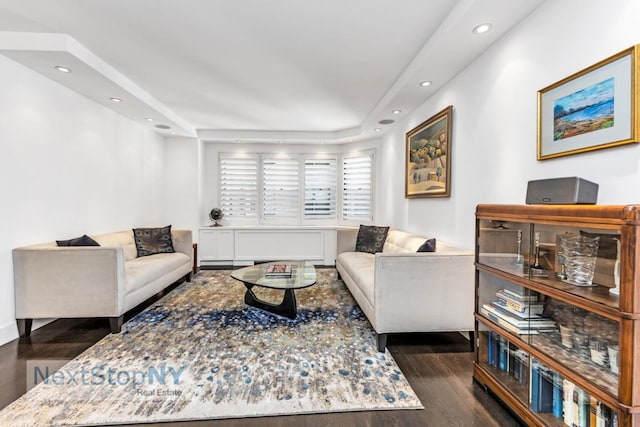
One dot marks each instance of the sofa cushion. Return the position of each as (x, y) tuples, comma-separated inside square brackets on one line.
[(360, 266), (140, 271), (429, 245), (151, 241), (371, 238), (83, 240)]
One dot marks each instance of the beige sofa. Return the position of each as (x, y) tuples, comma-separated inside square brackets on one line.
[(94, 281), (400, 290)]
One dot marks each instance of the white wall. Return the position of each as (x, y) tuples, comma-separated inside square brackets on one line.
[(182, 183), (68, 166), (494, 121)]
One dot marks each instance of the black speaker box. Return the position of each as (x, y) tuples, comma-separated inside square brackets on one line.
[(562, 191)]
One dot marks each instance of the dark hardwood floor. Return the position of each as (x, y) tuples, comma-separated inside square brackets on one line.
[(438, 366)]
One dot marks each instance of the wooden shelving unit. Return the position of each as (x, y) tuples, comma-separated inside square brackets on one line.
[(574, 370)]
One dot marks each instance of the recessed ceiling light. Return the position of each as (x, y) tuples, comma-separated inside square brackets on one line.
[(237, 141), (349, 140), (322, 142), (482, 28), (116, 99), (386, 121), (281, 142), (163, 127), (173, 133), (396, 111), (149, 119), (425, 83), (62, 69), (378, 129)]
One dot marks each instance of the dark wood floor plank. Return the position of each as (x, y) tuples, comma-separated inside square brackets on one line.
[(438, 366)]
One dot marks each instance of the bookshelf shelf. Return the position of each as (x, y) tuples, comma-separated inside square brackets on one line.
[(580, 343)]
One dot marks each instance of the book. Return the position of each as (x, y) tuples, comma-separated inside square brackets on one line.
[(567, 403), (521, 322), (506, 325), (526, 310), (541, 398), (515, 303), (503, 354), (278, 270), (521, 366), (521, 294), (490, 354), (582, 400), (557, 395)]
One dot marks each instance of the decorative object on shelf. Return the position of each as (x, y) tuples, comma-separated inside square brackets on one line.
[(579, 254), (616, 271), (519, 257), (428, 159), (578, 113), (216, 215)]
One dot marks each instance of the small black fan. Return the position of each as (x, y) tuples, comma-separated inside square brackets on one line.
[(215, 215)]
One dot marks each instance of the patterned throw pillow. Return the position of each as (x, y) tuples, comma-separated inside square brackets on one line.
[(150, 241), (371, 238), (83, 240), (428, 246)]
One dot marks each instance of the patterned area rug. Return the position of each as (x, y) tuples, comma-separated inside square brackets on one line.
[(201, 353)]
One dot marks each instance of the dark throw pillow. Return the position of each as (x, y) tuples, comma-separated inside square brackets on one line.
[(151, 241), (607, 245), (83, 240), (371, 238), (428, 246)]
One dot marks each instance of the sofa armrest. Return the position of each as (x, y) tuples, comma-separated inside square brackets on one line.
[(429, 291), (85, 281), (182, 242), (346, 240)]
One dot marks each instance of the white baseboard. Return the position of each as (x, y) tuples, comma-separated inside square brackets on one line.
[(8, 332)]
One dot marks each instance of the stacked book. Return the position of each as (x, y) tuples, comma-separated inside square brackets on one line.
[(278, 271), (518, 313)]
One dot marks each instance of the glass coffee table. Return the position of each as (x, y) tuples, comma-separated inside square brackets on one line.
[(302, 275)]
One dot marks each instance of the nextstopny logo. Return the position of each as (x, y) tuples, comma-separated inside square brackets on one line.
[(103, 375)]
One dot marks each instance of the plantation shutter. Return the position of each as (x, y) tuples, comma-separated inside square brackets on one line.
[(357, 178), (281, 194), (239, 186), (320, 188)]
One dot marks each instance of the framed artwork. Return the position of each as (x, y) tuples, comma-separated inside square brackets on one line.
[(592, 109), (428, 161)]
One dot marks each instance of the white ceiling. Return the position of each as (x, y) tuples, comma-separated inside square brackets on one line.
[(260, 70)]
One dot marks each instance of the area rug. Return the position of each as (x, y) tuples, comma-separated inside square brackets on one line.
[(201, 353)]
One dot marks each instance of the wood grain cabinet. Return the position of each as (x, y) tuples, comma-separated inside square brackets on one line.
[(558, 320)]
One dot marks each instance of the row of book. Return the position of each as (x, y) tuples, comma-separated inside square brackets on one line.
[(548, 391), (518, 312)]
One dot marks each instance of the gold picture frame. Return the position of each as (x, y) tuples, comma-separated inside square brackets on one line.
[(428, 157), (592, 109)]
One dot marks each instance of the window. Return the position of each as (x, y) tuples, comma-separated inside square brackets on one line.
[(357, 178), (320, 188), (280, 194), (296, 188), (239, 186)]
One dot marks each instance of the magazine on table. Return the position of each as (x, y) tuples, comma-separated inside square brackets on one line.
[(278, 270)]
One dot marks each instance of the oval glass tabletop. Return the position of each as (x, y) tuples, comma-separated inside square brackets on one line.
[(278, 275)]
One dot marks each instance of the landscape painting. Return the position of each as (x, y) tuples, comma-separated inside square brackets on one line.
[(586, 110), (591, 109), (428, 159)]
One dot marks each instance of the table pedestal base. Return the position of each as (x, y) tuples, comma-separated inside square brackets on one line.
[(286, 308)]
